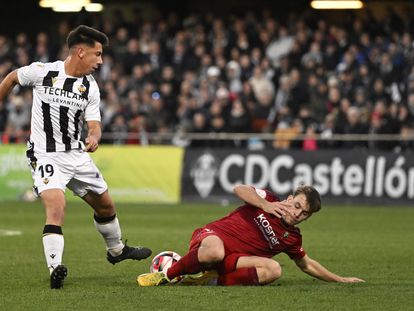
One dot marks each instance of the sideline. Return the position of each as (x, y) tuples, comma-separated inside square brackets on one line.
[(5, 232)]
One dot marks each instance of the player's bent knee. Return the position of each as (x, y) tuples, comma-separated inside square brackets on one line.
[(274, 271), (271, 272), (211, 250), (212, 254), (218, 254)]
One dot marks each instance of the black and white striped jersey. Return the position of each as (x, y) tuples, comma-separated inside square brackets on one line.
[(60, 102)]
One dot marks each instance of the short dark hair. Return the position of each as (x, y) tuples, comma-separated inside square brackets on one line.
[(86, 35), (312, 197)]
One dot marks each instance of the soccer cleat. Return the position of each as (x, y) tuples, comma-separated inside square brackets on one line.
[(202, 278), (57, 276), (129, 252), (152, 279)]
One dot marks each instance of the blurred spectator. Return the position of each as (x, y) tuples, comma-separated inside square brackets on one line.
[(327, 130), (298, 91), (407, 134), (309, 142), (233, 76), (285, 134), (280, 47), (318, 97), (354, 125), (119, 130), (239, 119), (18, 126), (383, 122), (199, 126), (42, 49)]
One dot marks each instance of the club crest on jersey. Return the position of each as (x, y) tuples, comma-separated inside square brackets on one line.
[(82, 88), (286, 235), (46, 181)]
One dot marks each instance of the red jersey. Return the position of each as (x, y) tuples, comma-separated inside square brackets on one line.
[(250, 230)]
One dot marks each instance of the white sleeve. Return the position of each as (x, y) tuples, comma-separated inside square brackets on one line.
[(28, 75), (92, 112), (262, 193)]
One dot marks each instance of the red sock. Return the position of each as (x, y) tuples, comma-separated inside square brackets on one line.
[(188, 264), (228, 264), (243, 276)]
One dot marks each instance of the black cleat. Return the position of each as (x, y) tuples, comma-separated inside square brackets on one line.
[(129, 252), (58, 276)]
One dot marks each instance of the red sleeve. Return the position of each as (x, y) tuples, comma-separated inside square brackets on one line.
[(266, 194), (271, 197), (296, 251)]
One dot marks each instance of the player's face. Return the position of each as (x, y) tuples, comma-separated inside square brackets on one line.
[(91, 57), (299, 211)]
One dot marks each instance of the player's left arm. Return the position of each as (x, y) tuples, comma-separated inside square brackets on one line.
[(94, 136), (315, 269), (93, 118), (257, 197)]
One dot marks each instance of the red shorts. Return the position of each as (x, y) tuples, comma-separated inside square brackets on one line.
[(230, 246)]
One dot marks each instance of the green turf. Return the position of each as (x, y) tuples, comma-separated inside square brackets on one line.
[(372, 243)]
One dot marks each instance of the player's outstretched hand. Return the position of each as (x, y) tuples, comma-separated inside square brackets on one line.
[(91, 144), (278, 209), (351, 280)]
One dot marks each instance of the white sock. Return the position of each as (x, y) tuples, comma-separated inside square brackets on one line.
[(111, 232), (53, 246)]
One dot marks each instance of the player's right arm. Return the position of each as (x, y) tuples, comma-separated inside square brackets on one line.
[(8, 84), (25, 76), (257, 197)]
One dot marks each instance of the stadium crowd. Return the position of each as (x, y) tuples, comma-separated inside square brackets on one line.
[(204, 73)]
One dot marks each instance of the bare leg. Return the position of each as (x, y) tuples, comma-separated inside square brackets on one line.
[(268, 270), (211, 250), (54, 202), (101, 203)]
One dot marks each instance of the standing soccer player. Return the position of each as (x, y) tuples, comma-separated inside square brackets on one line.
[(65, 93), (239, 247)]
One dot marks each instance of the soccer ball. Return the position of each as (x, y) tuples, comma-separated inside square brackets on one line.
[(163, 261)]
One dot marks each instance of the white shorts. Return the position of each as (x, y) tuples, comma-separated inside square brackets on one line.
[(72, 169)]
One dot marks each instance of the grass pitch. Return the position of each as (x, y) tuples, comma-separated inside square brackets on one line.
[(375, 244)]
